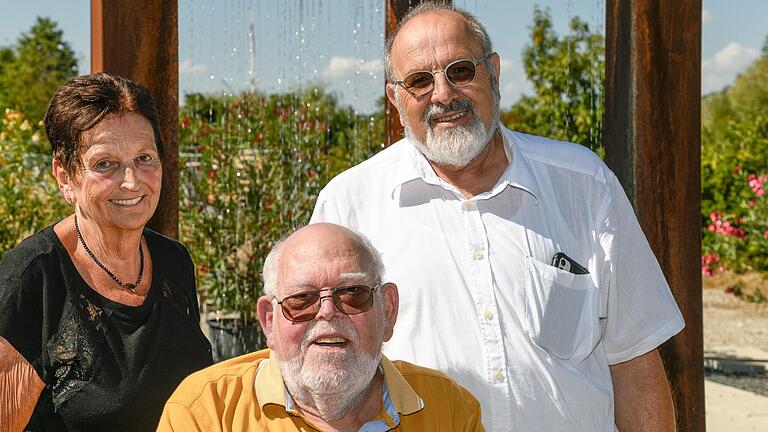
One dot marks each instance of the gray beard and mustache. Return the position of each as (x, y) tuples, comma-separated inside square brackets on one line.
[(335, 384), (456, 146)]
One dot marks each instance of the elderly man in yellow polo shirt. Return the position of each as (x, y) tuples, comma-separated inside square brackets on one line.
[(324, 369)]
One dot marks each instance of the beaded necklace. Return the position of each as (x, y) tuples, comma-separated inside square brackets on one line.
[(129, 286)]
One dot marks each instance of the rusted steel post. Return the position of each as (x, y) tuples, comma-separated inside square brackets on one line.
[(139, 41), (395, 9), (393, 130), (652, 141)]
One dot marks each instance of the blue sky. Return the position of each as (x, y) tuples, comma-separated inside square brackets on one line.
[(338, 42)]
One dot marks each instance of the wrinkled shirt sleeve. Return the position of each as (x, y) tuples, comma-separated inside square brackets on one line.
[(641, 311)]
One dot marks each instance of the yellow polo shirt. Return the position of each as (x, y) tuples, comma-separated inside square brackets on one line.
[(247, 393)]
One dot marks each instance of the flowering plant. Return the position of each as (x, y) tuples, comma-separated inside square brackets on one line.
[(734, 201), (738, 239)]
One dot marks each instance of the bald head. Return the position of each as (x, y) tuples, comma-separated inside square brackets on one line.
[(475, 32), (316, 242)]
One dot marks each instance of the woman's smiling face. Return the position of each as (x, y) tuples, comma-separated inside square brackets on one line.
[(119, 183)]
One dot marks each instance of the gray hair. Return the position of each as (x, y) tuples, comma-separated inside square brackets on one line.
[(435, 6), (269, 270), (372, 261)]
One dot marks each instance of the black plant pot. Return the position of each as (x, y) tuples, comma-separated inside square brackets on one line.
[(231, 337)]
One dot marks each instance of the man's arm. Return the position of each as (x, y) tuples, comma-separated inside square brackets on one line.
[(642, 399)]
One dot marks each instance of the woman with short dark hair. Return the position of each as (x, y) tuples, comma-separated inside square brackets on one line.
[(99, 320)]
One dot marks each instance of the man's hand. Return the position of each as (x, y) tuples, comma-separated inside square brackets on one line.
[(642, 399)]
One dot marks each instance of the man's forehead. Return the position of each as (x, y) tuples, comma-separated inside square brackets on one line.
[(428, 42), (313, 263), (331, 249), (440, 27), (310, 281)]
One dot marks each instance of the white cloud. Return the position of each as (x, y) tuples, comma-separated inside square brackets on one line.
[(706, 16), (188, 68), (343, 67), (507, 66), (721, 69), (513, 82)]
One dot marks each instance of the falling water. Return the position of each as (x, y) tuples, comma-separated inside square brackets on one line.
[(277, 97)]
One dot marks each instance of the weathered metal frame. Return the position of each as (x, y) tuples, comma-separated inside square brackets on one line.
[(653, 143), (139, 40), (652, 136)]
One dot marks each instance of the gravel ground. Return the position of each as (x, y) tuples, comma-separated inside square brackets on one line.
[(731, 322)]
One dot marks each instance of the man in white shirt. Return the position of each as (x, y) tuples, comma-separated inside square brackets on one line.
[(523, 271)]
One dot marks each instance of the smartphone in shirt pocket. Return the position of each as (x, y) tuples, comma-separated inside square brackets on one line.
[(562, 308)]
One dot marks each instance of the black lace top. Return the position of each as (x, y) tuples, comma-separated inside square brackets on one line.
[(106, 366)]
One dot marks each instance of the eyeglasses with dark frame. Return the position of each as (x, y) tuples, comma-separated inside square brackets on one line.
[(305, 305), (459, 73)]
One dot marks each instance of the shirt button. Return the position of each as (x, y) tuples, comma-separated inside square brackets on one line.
[(498, 375), (467, 205), (478, 255), (488, 315)]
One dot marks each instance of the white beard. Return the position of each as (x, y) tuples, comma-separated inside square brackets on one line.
[(459, 145), (335, 385)]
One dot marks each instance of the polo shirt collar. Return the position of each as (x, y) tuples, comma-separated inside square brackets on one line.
[(268, 385), (518, 174), (270, 388), (404, 397)]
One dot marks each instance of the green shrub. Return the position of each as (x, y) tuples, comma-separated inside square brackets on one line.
[(29, 196), (251, 168)]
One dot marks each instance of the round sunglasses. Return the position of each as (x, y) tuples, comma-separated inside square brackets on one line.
[(459, 73), (304, 306)]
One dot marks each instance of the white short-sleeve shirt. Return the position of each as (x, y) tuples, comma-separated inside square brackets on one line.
[(479, 297)]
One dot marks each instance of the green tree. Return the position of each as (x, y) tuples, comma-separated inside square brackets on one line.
[(32, 69), (748, 96), (744, 101), (765, 47), (568, 75)]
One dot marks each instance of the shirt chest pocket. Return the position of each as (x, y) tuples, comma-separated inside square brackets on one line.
[(562, 311)]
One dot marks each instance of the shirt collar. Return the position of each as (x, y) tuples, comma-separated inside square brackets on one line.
[(519, 173), (411, 166), (268, 385), (404, 398), (397, 393), (414, 166)]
